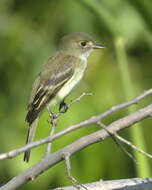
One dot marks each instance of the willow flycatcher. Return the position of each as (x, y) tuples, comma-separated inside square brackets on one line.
[(58, 77)]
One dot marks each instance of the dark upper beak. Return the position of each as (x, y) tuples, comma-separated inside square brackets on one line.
[(98, 46)]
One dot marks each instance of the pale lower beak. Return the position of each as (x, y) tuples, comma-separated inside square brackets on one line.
[(98, 46)]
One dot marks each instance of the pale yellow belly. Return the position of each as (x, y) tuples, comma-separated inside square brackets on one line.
[(68, 87)]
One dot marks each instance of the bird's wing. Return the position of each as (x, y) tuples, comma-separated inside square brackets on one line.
[(58, 70)]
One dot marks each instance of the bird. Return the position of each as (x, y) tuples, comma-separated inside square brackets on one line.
[(58, 77)]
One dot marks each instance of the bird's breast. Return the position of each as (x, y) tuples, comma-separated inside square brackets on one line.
[(71, 83)]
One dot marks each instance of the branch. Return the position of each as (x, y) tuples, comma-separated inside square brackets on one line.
[(75, 183), (92, 120), (122, 184), (115, 138), (83, 142)]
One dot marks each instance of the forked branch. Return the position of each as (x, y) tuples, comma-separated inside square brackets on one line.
[(83, 142)]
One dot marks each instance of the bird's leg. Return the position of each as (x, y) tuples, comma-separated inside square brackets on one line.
[(63, 107)]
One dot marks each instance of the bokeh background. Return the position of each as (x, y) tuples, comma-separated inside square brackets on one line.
[(29, 33)]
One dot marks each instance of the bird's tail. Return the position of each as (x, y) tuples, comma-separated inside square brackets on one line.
[(30, 138)]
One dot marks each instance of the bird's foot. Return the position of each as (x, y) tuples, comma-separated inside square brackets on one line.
[(63, 107)]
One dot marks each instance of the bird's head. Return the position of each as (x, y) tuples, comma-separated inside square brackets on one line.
[(79, 44)]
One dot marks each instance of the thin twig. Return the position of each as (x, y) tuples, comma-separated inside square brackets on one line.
[(133, 146), (54, 123), (124, 105), (114, 137), (79, 98), (75, 183), (72, 102), (49, 145)]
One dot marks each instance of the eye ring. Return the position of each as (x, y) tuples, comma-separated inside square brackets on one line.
[(83, 44)]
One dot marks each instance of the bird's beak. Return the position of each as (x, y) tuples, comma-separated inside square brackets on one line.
[(98, 46)]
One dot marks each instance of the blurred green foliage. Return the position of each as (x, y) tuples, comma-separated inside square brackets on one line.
[(29, 33)]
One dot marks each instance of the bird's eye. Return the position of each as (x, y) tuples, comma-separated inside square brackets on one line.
[(83, 43)]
